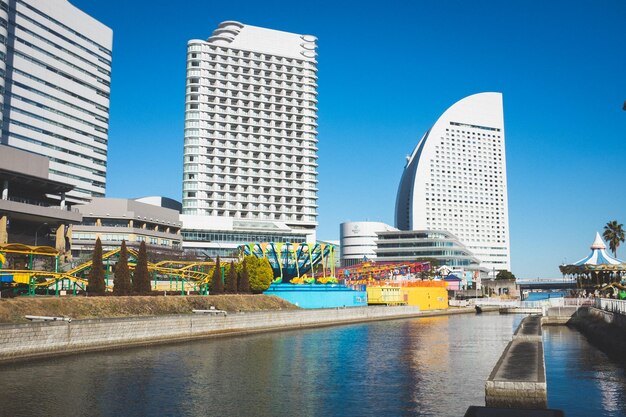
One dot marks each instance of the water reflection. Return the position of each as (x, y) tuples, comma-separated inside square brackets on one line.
[(421, 367), (581, 379)]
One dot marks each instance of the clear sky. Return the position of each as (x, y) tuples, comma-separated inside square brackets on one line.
[(387, 70)]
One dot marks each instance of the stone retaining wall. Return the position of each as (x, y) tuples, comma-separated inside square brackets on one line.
[(519, 378), (31, 340)]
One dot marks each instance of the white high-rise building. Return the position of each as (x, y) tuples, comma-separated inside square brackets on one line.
[(455, 180), (250, 153), (55, 73)]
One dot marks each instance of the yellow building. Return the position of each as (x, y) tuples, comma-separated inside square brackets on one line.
[(426, 298), (384, 295)]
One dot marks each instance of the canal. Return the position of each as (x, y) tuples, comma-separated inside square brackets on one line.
[(418, 367)]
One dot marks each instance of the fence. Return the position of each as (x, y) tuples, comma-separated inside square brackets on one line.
[(548, 302), (608, 304)]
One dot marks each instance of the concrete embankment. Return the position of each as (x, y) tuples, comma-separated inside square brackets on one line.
[(604, 329), (519, 378), (40, 339)]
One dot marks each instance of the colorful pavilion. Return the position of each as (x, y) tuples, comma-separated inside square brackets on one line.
[(596, 269)]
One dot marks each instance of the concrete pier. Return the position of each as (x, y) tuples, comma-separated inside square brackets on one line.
[(519, 378)]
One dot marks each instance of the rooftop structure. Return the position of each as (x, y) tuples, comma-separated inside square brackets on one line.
[(250, 151), (28, 215), (455, 180), (55, 73)]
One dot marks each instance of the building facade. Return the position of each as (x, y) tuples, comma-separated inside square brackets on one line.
[(250, 142), (455, 180), (358, 241), (116, 219), (32, 206), (55, 74)]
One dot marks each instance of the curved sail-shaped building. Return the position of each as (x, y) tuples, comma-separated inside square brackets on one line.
[(455, 180)]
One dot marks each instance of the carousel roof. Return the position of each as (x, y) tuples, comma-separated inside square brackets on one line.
[(598, 255)]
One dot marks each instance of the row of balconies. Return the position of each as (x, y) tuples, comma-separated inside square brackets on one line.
[(220, 95), (270, 161), (273, 151), (303, 84), (304, 186), (305, 126), (235, 188), (295, 67), (256, 117), (244, 194), (258, 104), (238, 138), (282, 174), (299, 135), (245, 110), (192, 147), (245, 93), (228, 166), (250, 205), (270, 91), (243, 212), (259, 172), (209, 154)]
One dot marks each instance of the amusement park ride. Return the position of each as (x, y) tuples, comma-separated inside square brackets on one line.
[(295, 263), (23, 276), (292, 262), (369, 271)]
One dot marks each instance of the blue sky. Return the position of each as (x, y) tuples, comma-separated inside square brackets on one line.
[(387, 70)]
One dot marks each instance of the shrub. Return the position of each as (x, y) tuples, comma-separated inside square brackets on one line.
[(231, 279), (217, 285), (141, 277), (95, 280), (121, 281)]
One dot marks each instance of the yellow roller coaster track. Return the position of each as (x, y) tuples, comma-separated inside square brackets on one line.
[(185, 270)]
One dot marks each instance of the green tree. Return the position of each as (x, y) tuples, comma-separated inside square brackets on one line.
[(217, 285), (244, 279), (260, 273), (231, 279), (614, 234), (121, 281), (504, 274), (95, 280), (141, 276)]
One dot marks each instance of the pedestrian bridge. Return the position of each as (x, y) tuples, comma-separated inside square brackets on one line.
[(546, 284)]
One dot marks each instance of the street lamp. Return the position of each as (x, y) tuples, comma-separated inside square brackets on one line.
[(37, 231)]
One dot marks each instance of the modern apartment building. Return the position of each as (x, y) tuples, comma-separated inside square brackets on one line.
[(455, 180), (250, 151), (55, 73)]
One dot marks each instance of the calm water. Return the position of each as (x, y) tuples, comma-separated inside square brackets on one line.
[(581, 379), (420, 367)]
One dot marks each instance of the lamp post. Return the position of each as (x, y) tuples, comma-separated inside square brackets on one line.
[(37, 231)]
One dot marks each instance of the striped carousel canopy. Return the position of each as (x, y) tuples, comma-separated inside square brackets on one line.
[(598, 255)]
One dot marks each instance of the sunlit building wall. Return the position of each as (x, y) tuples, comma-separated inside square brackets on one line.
[(455, 180), (55, 74), (250, 151)]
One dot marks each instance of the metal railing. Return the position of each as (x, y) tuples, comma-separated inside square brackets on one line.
[(609, 304)]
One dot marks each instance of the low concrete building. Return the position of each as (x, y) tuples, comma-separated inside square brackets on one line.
[(500, 287), (117, 219), (33, 210)]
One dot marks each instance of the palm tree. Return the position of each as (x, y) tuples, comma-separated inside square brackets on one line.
[(614, 234)]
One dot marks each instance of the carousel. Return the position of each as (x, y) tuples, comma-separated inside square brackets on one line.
[(597, 270)]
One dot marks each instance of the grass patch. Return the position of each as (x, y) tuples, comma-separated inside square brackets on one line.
[(13, 310)]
